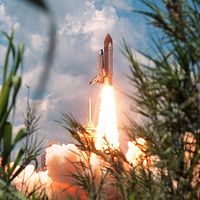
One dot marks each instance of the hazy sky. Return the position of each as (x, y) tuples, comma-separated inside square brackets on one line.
[(81, 28)]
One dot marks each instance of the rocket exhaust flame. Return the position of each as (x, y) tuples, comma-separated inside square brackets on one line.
[(107, 124), (136, 151), (106, 132)]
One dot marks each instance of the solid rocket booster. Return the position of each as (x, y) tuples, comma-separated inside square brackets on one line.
[(105, 63)]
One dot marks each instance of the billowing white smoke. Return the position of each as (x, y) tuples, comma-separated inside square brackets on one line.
[(29, 180), (56, 180), (59, 160)]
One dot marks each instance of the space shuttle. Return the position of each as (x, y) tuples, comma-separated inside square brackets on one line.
[(105, 63)]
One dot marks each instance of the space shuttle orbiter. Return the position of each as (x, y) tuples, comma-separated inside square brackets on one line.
[(105, 63)]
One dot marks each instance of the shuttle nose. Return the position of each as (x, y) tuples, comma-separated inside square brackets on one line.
[(107, 40)]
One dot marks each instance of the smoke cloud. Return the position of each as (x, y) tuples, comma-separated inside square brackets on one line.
[(56, 180)]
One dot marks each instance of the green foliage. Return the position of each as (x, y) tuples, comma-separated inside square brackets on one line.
[(10, 87), (31, 120), (167, 95), (11, 83), (7, 192), (9, 141)]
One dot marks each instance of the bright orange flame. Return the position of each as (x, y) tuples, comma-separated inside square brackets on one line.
[(135, 151), (107, 123)]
